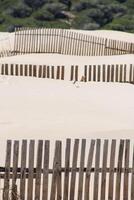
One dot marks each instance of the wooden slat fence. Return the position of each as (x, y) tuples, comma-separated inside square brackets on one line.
[(78, 169), (42, 40), (5, 47), (99, 73)]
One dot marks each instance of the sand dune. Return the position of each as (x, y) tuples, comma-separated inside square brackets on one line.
[(39, 108)]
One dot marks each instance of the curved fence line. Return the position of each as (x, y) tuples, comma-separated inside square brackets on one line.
[(98, 73), (42, 40)]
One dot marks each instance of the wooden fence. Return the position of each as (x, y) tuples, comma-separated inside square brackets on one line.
[(42, 40), (83, 170), (98, 73)]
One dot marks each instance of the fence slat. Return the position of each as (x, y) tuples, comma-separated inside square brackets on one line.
[(76, 73), (62, 72), (104, 73), (126, 166), (108, 73), (85, 73), (72, 73), (23, 169), (81, 170), (112, 73), (55, 172), (48, 71), (90, 73), (118, 177), (88, 170), (40, 71), (99, 73), (132, 177), (52, 72), (14, 192), (73, 171), (111, 170), (104, 166), (96, 171), (7, 170), (59, 181), (38, 170), (45, 170), (31, 170), (58, 72), (67, 165)]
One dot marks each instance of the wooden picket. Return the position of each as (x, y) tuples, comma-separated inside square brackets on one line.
[(97, 158), (105, 73), (43, 40)]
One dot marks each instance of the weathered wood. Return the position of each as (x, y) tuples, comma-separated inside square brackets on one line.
[(34, 70), (81, 171), (33, 183), (118, 177), (44, 71), (76, 73), (38, 170), (52, 72), (72, 73), (58, 72), (14, 192), (104, 166), (42, 40), (7, 171), (125, 72), (40, 71), (48, 71), (46, 170), (21, 70), (126, 165), (99, 73), (117, 73), (2, 69), (6, 69), (132, 177), (108, 73), (62, 72), (94, 72), (59, 181), (121, 73), (96, 173), (67, 165), (112, 73), (25, 70), (73, 173), (111, 170), (104, 73), (85, 73), (55, 171), (31, 170), (88, 170), (130, 73), (23, 169), (90, 73)]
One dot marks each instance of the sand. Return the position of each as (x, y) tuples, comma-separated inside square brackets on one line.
[(32, 108), (36, 107), (43, 108)]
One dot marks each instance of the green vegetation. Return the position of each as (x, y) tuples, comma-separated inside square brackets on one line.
[(77, 14)]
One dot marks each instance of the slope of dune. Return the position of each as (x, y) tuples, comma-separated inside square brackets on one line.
[(42, 108)]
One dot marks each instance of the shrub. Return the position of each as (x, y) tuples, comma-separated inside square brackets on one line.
[(35, 3), (55, 7), (44, 15), (20, 11), (91, 26)]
